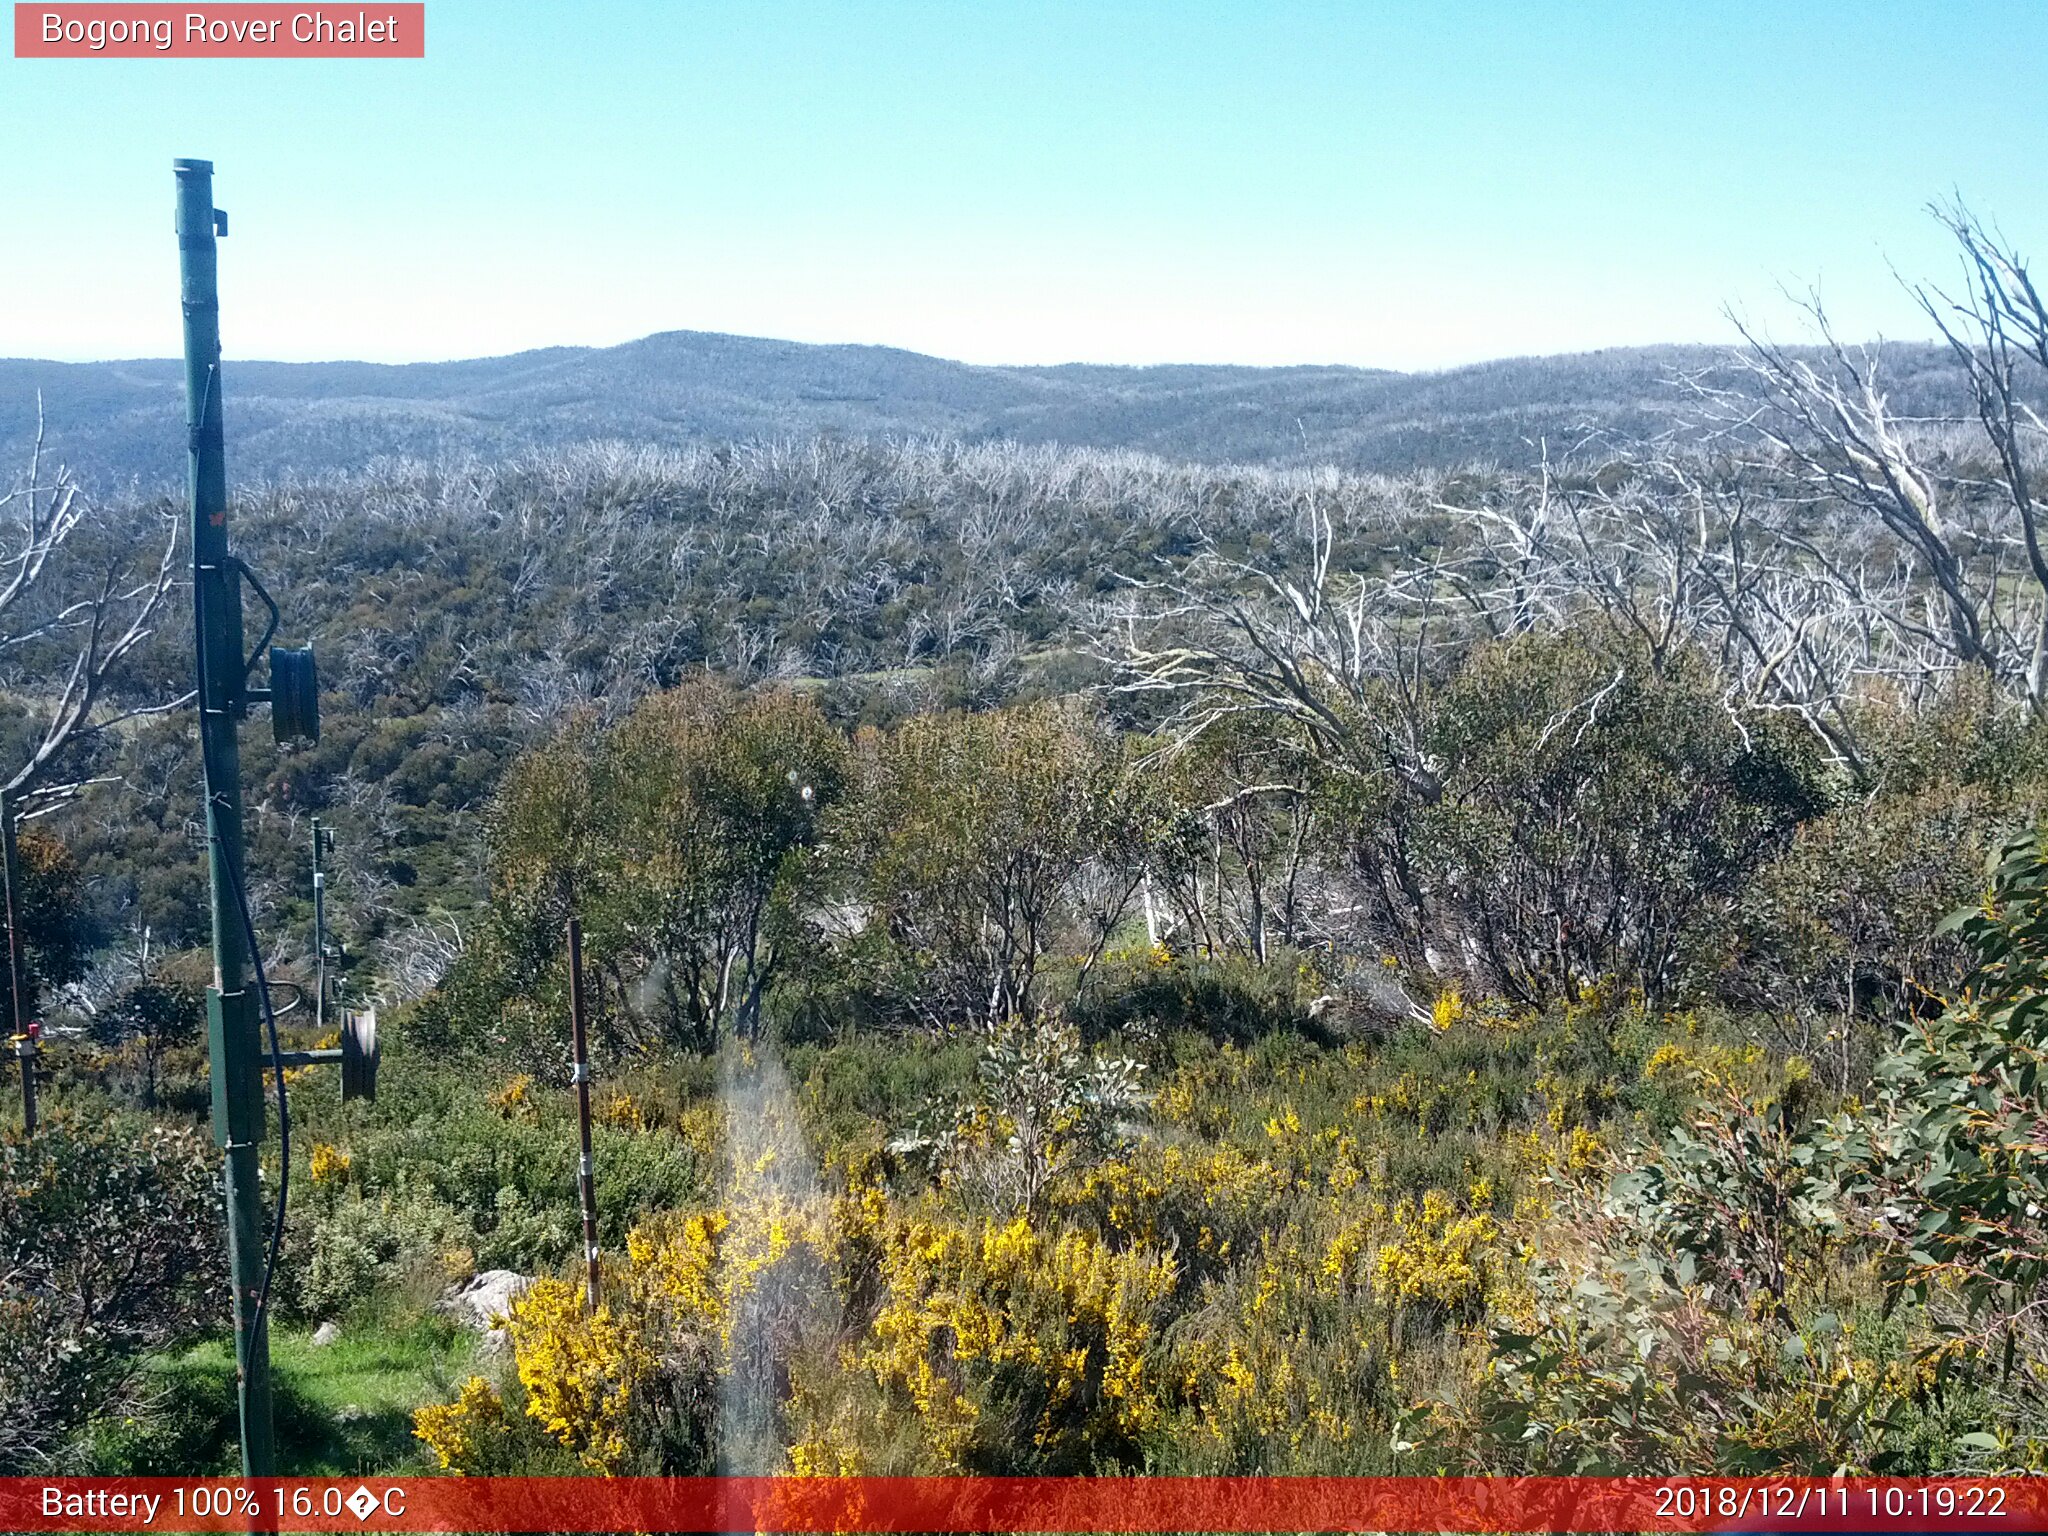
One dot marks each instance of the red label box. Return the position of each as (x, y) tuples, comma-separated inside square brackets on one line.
[(235, 31)]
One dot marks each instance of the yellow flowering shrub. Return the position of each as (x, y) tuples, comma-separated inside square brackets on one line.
[(458, 1432), (1582, 1150), (1447, 1010), (621, 1109), (679, 1265), (516, 1097), (580, 1370), (710, 1292), (1438, 1255), (1272, 1397), (1205, 1203), (712, 1273), (1706, 1063), (1284, 1363), (986, 1334), (329, 1164), (1294, 1241)]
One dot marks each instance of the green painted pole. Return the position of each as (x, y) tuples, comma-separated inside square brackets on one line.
[(233, 1039)]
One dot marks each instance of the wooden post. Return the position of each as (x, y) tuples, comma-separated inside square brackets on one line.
[(580, 1077)]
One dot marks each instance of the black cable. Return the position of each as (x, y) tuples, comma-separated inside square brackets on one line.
[(284, 1112)]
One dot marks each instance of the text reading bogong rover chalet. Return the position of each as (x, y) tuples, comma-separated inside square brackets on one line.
[(239, 31)]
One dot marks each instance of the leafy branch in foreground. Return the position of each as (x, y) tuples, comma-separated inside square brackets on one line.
[(1956, 1155)]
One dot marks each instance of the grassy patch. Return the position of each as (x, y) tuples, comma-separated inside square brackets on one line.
[(339, 1409)]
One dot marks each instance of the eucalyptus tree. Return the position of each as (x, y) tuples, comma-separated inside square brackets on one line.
[(982, 846), (680, 836)]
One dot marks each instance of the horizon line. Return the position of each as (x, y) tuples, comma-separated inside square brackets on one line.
[(867, 346)]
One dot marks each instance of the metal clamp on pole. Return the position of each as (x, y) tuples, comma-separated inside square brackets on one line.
[(357, 1055)]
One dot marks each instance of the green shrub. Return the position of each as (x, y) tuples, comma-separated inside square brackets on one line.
[(1594, 810), (1839, 936), (147, 1020), (1151, 993), (185, 1424), (1043, 1108), (57, 930), (1715, 1307), (110, 1234), (1952, 1163), (1668, 1341), (361, 1248)]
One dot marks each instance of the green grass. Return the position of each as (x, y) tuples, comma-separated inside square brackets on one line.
[(339, 1410)]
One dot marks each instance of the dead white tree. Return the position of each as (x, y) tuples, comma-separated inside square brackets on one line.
[(80, 592), (1340, 656), (1997, 328), (1669, 554), (1964, 581)]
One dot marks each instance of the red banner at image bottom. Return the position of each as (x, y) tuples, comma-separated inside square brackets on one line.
[(942, 1504)]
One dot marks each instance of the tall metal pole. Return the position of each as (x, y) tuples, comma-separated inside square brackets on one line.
[(24, 1033), (586, 1175), (234, 1043)]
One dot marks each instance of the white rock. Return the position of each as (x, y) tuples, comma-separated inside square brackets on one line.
[(486, 1300), (327, 1333)]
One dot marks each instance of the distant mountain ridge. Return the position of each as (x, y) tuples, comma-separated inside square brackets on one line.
[(121, 423)]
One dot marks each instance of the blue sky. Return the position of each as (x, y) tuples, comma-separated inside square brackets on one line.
[(1386, 184)]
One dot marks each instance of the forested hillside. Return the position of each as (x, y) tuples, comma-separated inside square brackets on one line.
[(1099, 962), (118, 423)]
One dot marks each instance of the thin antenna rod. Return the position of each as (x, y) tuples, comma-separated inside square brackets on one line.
[(321, 837), (24, 1033), (586, 1176)]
